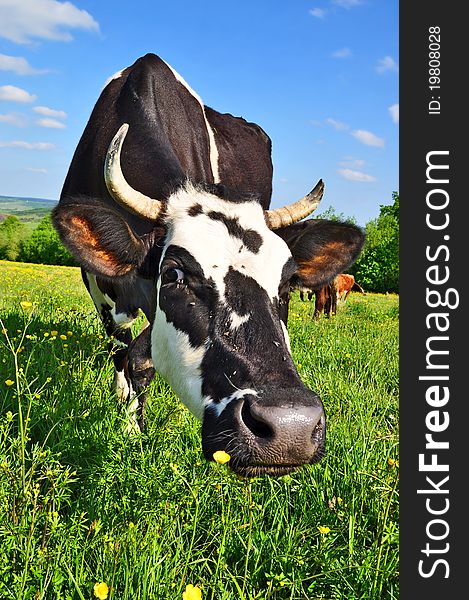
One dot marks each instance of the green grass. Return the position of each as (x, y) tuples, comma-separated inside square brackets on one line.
[(81, 502)]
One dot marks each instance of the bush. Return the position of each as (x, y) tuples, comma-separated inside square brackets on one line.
[(12, 234), (44, 246)]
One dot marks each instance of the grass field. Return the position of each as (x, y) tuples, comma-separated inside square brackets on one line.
[(82, 503)]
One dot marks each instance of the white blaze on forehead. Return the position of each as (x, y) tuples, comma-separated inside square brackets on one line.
[(211, 135), (212, 246)]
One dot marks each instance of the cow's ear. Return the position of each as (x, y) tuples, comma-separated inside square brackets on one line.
[(322, 249), (98, 237)]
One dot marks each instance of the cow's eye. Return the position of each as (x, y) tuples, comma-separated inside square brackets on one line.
[(172, 275)]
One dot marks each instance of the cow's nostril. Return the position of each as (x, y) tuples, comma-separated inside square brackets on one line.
[(255, 425)]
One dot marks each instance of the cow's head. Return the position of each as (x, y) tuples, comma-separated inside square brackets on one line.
[(221, 274)]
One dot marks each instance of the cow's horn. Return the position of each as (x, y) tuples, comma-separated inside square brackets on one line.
[(287, 215), (117, 186)]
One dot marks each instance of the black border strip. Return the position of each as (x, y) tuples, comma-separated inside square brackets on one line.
[(434, 353)]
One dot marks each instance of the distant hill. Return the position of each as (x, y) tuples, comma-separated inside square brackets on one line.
[(28, 210)]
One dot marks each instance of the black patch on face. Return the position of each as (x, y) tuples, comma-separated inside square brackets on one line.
[(189, 304), (252, 355), (224, 371), (195, 210), (250, 238)]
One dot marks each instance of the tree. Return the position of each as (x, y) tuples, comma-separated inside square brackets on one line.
[(331, 215), (377, 267), (44, 246), (12, 234)]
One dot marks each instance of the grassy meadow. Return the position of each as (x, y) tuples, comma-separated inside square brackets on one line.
[(82, 503)]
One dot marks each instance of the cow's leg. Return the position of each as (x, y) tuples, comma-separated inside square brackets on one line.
[(318, 304), (141, 373), (117, 326)]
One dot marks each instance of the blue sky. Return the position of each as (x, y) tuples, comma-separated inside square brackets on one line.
[(320, 76)]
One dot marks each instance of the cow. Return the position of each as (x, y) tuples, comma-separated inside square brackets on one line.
[(325, 301), (344, 284), (166, 208)]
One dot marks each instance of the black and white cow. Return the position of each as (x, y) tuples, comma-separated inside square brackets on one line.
[(197, 250)]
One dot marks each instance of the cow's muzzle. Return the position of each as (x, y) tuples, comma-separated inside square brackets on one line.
[(268, 434)]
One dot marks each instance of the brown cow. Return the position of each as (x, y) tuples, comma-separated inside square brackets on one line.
[(325, 299), (344, 284)]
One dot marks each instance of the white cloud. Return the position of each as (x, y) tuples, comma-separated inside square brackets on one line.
[(338, 125), (387, 64), (13, 119), (18, 65), (50, 123), (27, 145), (368, 138), (36, 170), (351, 175), (394, 112), (45, 111), (342, 53), (21, 21), (347, 3), (319, 13), (11, 93)]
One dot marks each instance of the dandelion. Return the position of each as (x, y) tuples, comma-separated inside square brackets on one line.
[(46, 334), (63, 337), (69, 334), (101, 590), (323, 530), (54, 333), (25, 304), (193, 592), (221, 457), (392, 462), (9, 382)]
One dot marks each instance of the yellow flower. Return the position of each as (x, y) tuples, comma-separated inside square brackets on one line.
[(9, 382), (63, 337), (54, 333), (101, 590), (46, 334), (221, 457), (25, 304), (323, 529), (192, 593), (69, 333), (392, 462)]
